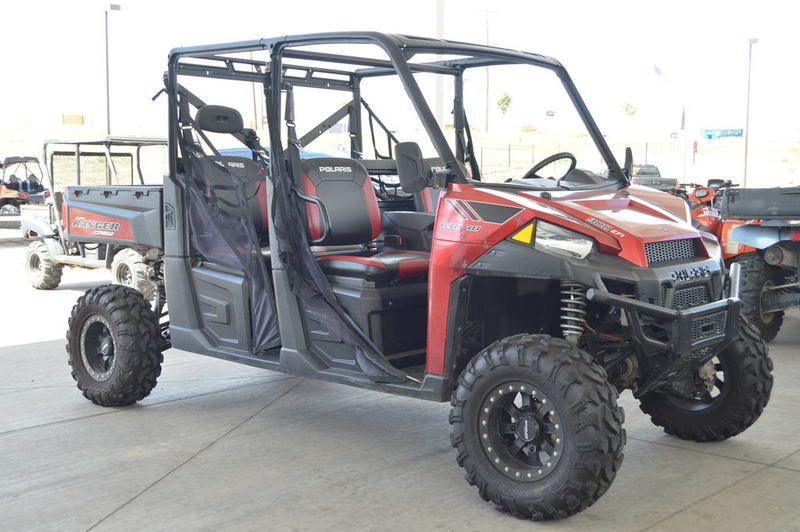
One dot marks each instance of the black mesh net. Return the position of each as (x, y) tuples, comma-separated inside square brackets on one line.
[(222, 232), (309, 283)]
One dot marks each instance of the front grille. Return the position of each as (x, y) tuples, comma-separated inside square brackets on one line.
[(689, 297), (708, 326), (684, 297), (671, 250)]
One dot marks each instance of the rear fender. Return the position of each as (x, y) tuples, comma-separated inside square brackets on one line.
[(757, 236)]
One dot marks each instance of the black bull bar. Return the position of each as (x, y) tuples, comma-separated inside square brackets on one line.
[(689, 330)]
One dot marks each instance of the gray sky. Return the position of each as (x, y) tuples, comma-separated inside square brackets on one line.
[(53, 58)]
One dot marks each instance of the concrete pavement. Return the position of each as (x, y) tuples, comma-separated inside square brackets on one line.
[(223, 446)]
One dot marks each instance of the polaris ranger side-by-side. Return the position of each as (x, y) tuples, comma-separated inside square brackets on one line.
[(528, 304), (67, 234)]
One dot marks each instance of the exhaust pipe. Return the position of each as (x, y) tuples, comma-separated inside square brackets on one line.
[(777, 255)]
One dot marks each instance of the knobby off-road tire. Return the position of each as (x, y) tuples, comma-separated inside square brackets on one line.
[(9, 209), (43, 273), (113, 346), (747, 372), (757, 275), (129, 269), (581, 427)]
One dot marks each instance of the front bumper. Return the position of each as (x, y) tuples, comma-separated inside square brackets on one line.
[(689, 331)]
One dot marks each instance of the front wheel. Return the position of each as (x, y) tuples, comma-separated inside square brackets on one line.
[(732, 391), (113, 344), (537, 427), (43, 273)]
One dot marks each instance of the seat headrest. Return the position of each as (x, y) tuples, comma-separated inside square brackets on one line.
[(219, 119), (334, 169)]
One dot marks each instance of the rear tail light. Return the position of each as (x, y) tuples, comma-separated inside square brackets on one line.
[(23, 195), (46, 193)]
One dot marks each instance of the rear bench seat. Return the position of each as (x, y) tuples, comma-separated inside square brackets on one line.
[(344, 187), (253, 174)]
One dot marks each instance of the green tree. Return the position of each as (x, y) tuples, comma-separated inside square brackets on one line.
[(630, 108), (504, 102)]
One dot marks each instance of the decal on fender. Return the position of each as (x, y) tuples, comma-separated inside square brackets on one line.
[(604, 226)]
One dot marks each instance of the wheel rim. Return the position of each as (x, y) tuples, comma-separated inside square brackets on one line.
[(97, 348), (705, 399), (34, 263), (124, 275), (521, 432)]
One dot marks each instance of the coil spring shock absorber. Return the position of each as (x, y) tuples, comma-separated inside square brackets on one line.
[(573, 310)]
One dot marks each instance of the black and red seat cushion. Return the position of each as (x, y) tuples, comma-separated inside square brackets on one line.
[(253, 176), (385, 266), (344, 187)]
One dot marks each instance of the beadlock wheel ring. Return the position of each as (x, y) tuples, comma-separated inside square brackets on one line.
[(520, 431), (97, 348)]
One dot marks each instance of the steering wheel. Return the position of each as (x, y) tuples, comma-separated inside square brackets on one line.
[(530, 174)]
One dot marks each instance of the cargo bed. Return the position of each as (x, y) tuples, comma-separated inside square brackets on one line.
[(128, 215), (761, 204)]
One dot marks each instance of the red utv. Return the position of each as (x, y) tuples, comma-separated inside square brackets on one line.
[(529, 305)]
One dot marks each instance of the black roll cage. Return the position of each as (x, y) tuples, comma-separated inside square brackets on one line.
[(213, 61)]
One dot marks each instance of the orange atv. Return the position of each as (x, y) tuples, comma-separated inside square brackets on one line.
[(757, 276), (15, 191)]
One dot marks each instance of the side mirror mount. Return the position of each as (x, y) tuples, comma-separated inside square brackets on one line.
[(628, 163), (219, 119), (411, 169)]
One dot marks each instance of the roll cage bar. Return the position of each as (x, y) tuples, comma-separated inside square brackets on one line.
[(215, 61), (104, 144)]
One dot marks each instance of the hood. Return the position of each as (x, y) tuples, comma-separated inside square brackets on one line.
[(622, 221)]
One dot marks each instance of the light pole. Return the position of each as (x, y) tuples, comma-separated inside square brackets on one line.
[(751, 42), (111, 7), (487, 13)]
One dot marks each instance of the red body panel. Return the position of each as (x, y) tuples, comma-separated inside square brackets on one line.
[(704, 212), (87, 223), (620, 222), (731, 248)]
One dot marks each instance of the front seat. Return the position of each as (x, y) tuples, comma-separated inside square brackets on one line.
[(344, 187)]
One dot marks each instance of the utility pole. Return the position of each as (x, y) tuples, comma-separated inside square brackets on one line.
[(487, 13), (439, 96), (111, 7), (751, 42)]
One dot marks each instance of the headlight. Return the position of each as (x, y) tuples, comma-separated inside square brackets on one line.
[(555, 239)]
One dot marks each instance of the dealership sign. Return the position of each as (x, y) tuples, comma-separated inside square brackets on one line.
[(720, 133)]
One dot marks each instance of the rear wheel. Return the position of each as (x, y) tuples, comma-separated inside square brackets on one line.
[(537, 427), (757, 278), (113, 344), (9, 209), (732, 391), (43, 273), (129, 269)]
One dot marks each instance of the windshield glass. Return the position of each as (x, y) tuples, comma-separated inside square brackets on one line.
[(520, 115)]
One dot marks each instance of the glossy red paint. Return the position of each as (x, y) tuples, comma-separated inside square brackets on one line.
[(312, 211), (87, 223), (619, 221), (731, 248)]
